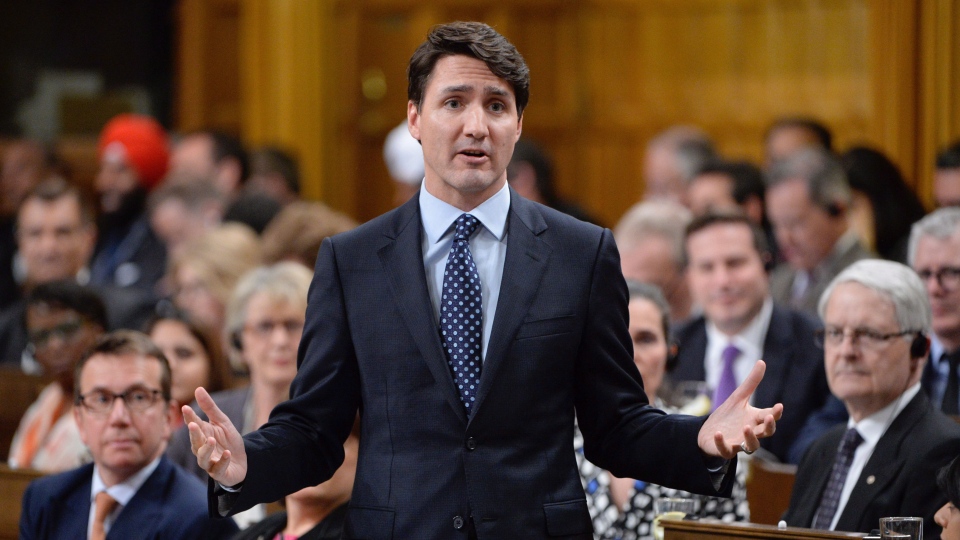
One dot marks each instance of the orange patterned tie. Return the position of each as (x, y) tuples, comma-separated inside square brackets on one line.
[(105, 505)]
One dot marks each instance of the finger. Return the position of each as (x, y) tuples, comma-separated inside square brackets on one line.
[(197, 438), (189, 415), (725, 450), (750, 440), (209, 407), (749, 384), (218, 467), (205, 454)]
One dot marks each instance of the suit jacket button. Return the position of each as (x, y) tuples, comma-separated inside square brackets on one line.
[(458, 523), (471, 443)]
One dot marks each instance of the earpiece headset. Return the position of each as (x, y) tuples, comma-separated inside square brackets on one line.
[(834, 209), (236, 341), (919, 348), (673, 355)]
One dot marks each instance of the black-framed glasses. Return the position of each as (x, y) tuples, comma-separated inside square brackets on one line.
[(867, 338), (64, 331), (136, 399), (947, 277)]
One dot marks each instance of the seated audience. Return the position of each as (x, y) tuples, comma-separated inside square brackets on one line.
[(530, 174), (214, 155), (671, 159), (946, 179), (935, 255), (883, 462), (948, 516), (274, 173), (133, 152), (808, 199), (23, 165), (202, 276), (740, 324), (183, 209), (56, 234), (313, 513), (63, 320), (789, 134), (883, 206), (650, 239), (193, 352), (622, 508), (130, 490), (299, 229), (264, 321)]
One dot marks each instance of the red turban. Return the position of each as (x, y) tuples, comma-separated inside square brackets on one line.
[(144, 143)]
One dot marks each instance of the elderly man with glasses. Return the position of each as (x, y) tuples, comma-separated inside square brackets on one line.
[(123, 410), (934, 252), (883, 462)]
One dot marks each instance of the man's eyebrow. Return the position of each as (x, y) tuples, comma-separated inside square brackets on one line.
[(458, 89), (466, 88), (497, 91)]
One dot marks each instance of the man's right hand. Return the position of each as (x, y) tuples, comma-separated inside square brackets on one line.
[(217, 443)]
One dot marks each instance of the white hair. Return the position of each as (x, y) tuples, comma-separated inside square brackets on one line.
[(894, 281), (941, 225), (662, 218)]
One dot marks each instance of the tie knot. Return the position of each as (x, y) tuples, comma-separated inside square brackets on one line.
[(851, 440), (105, 505), (466, 225), (730, 354)]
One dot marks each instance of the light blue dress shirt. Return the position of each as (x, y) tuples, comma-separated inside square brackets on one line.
[(488, 246)]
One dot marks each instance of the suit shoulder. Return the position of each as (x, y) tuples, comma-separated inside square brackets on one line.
[(54, 486), (690, 327)]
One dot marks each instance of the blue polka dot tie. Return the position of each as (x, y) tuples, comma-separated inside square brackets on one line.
[(461, 317), (830, 500)]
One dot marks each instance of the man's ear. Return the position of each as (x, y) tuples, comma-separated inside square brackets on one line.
[(78, 418), (519, 128), (413, 120)]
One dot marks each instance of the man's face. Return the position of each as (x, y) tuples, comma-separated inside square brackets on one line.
[(115, 179), (59, 338), (711, 192), (726, 275), (867, 376), (938, 255), (54, 241), (946, 187), (271, 336), (123, 441), (652, 260), (468, 125), (805, 232)]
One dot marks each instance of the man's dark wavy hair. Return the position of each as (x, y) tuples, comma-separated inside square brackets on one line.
[(476, 40)]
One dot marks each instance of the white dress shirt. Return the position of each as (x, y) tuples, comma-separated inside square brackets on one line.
[(749, 341), (871, 429), (488, 246), (122, 493)]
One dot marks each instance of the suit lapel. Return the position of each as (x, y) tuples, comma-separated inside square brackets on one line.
[(776, 354), (70, 514), (884, 464), (526, 259), (401, 255), (811, 494), (141, 514)]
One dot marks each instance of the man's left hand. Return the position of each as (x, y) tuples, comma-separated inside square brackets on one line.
[(736, 425)]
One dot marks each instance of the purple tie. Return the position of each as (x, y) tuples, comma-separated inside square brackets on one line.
[(838, 476), (728, 380)]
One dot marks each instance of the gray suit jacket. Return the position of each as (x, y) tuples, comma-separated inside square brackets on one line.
[(781, 279)]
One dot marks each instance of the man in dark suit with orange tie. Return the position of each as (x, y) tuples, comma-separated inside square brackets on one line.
[(468, 326)]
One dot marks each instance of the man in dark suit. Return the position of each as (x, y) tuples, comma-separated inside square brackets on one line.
[(130, 490), (469, 438), (808, 198), (725, 257), (884, 462)]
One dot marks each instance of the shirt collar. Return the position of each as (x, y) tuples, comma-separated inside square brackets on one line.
[(874, 426), (124, 491), (438, 216)]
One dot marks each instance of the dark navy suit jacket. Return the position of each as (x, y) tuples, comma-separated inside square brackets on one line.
[(559, 345), (170, 505), (899, 479), (795, 375)]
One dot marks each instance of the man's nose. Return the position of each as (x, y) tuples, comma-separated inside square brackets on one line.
[(119, 413), (475, 122)]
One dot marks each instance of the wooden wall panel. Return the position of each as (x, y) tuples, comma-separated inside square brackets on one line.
[(609, 74)]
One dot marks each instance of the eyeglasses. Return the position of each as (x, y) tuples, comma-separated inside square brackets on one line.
[(266, 328), (64, 331), (867, 338), (137, 400), (947, 277)]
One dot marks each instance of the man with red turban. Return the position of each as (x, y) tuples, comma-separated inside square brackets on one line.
[(133, 152)]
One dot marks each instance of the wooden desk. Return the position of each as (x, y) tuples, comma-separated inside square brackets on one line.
[(715, 530), (768, 490), (13, 482)]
